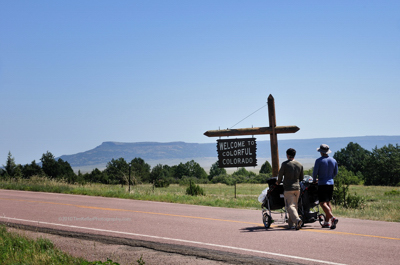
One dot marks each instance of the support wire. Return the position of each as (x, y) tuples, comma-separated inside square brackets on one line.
[(250, 115)]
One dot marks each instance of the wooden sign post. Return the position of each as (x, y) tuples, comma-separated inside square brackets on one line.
[(272, 130)]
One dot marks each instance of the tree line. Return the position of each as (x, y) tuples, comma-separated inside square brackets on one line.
[(381, 166), (136, 171)]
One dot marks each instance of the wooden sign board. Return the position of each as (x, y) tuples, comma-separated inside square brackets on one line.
[(237, 152)]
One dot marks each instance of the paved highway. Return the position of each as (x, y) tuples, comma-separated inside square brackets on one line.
[(218, 229)]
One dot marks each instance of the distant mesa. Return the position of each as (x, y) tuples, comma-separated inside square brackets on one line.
[(205, 154)]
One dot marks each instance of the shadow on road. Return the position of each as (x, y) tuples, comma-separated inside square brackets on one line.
[(253, 229), (260, 228)]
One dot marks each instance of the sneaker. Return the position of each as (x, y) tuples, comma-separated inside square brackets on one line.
[(334, 222), (326, 225), (299, 224)]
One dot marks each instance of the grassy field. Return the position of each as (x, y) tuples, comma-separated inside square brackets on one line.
[(380, 203)]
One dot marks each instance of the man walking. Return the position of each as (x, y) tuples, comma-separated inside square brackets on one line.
[(293, 172), (325, 170)]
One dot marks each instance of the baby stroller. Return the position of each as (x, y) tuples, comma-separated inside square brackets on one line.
[(308, 207), (272, 199)]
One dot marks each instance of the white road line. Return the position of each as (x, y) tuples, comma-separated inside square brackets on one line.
[(174, 239)]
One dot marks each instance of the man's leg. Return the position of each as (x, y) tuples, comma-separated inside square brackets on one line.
[(292, 198), (332, 218), (326, 206), (324, 195), (330, 208), (288, 198)]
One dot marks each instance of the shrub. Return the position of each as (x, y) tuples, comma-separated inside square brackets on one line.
[(262, 178), (194, 190), (161, 183), (223, 178), (342, 197)]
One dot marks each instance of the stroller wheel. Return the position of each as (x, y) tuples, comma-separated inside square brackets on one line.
[(267, 220), (321, 219)]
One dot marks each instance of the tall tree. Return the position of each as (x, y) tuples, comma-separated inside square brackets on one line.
[(353, 157), (31, 169), (11, 168), (215, 170), (180, 171), (57, 169), (65, 171), (160, 174), (49, 165), (117, 171), (140, 170), (190, 169), (195, 170), (266, 168), (383, 167)]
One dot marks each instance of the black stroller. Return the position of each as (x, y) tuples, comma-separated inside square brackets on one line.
[(273, 201), (308, 206)]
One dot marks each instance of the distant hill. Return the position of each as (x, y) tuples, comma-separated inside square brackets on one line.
[(145, 150), (205, 154)]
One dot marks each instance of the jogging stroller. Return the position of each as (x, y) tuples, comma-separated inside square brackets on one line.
[(272, 200), (308, 207)]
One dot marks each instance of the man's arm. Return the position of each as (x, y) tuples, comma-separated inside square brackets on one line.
[(335, 171), (280, 175), (301, 176), (315, 171)]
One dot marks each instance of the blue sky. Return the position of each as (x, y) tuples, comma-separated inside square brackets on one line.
[(74, 74)]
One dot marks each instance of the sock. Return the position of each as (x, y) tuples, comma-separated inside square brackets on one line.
[(326, 223)]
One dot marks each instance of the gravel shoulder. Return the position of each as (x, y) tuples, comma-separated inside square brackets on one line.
[(129, 251)]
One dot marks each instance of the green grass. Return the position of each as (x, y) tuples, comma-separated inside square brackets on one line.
[(380, 202), (16, 249)]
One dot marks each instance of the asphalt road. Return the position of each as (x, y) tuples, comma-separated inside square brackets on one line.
[(235, 233)]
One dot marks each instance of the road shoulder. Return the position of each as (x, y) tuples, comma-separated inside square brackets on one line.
[(128, 251)]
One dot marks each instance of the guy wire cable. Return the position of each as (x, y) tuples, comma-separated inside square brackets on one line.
[(249, 115)]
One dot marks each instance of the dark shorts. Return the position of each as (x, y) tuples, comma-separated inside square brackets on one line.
[(325, 193)]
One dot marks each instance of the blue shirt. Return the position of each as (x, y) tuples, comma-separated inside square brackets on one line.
[(326, 168)]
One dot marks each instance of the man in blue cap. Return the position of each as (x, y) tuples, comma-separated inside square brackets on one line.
[(325, 170)]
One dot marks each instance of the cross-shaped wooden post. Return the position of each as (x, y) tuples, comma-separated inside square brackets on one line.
[(272, 130)]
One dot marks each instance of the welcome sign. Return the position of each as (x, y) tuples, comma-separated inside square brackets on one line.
[(237, 152)]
